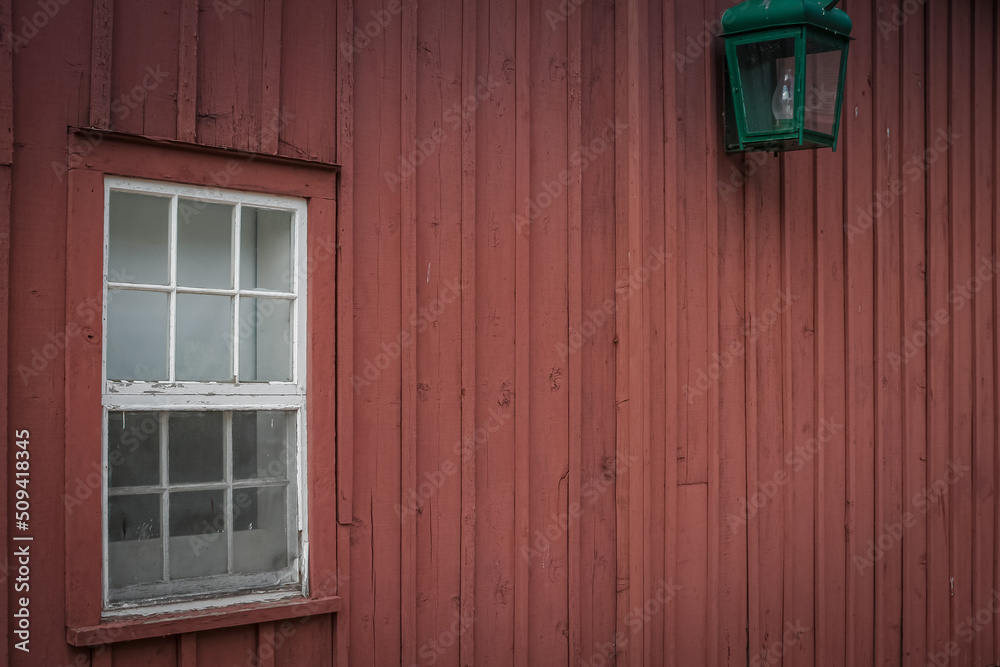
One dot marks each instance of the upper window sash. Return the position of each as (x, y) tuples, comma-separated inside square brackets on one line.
[(242, 295)]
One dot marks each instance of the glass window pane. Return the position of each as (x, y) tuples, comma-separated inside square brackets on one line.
[(262, 544), (138, 230), (265, 340), (259, 444), (245, 508), (133, 448), (767, 76), (135, 549), (197, 512), (196, 447), (204, 338), (265, 249), (197, 533), (204, 244), (822, 77), (137, 335)]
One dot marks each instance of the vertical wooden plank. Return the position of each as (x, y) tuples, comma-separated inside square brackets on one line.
[(376, 567), (5, 316), (522, 328), (83, 355), (408, 328), (713, 301), (6, 90), (598, 456), (438, 71), (547, 160), (101, 656), (963, 264), (672, 288), (469, 366), (187, 70), (265, 644), (765, 512), (732, 463), (270, 94), (984, 458), (692, 570), (345, 266), (939, 625), (888, 445), (314, 44), (939, 621), (229, 76), (575, 378), (214, 647), (731, 442), (655, 628), (751, 225), (6, 158), (144, 76), (912, 367), (695, 247), (497, 246), (100, 64), (325, 574), (831, 500), (632, 383), (623, 437), (799, 377), (857, 146), (158, 652), (187, 649), (996, 318), (344, 152), (303, 641)]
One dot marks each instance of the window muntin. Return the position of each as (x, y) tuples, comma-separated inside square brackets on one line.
[(204, 392)]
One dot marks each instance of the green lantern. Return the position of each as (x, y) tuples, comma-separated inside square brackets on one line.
[(785, 66)]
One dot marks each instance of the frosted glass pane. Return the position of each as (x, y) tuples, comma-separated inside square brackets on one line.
[(204, 244), (204, 338), (135, 548), (260, 543), (196, 447), (137, 335), (265, 249), (259, 444), (133, 448), (265, 340), (138, 229), (197, 533)]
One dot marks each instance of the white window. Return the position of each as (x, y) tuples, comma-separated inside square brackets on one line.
[(204, 393)]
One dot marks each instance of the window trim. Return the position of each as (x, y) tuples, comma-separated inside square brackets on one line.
[(93, 155)]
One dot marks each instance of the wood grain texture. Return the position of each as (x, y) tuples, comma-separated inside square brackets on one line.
[(187, 70), (913, 128), (100, 64), (569, 354)]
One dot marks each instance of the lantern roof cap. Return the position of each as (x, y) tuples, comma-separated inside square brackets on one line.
[(754, 15)]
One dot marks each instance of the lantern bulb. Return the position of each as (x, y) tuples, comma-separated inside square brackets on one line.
[(782, 103)]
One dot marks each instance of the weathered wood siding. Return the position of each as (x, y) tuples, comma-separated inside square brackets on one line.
[(606, 394)]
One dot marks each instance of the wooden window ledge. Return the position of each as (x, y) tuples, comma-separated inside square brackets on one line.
[(161, 625)]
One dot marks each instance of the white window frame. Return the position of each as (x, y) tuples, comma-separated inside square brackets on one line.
[(171, 395)]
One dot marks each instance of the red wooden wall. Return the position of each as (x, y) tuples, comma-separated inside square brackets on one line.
[(606, 393)]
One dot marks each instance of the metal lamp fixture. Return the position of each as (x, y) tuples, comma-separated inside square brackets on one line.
[(785, 67)]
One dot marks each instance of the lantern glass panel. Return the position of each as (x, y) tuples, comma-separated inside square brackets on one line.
[(767, 77), (823, 65)]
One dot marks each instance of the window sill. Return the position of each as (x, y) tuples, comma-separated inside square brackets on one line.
[(161, 625)]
